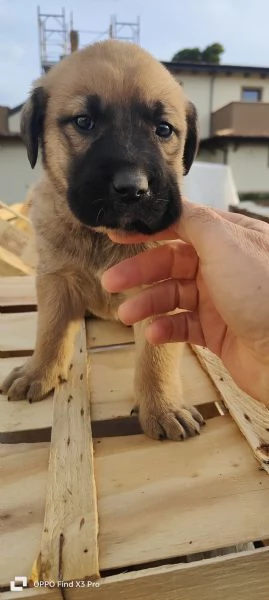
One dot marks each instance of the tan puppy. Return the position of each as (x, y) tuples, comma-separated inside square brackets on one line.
[(117, 135)]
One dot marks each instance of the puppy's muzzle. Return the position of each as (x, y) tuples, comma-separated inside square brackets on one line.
[(130, 186)]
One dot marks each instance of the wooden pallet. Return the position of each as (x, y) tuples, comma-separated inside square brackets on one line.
[(17, 244), (93, 497)]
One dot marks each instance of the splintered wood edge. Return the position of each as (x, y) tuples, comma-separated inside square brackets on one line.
[(69, 547), (251, 416)]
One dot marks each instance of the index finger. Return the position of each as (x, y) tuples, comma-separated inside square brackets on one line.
[(175, 260)]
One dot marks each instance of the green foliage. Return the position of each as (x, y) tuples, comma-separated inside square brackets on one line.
[(188, 54), (211, 54)]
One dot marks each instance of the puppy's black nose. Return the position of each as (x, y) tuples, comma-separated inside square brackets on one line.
[(130, 185)]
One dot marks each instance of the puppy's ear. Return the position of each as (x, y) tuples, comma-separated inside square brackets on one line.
[(192, 141), (32, 121)]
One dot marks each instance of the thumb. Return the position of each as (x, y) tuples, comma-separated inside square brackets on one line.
[(202, 227), (198, 225)]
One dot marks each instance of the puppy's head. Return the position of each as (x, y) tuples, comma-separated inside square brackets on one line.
[(117, 135)]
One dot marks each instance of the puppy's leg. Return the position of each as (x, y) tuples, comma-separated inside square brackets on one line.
[(158, 391), (60, 308)]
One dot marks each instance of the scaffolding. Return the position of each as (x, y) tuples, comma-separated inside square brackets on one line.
[(126, 31), (53, 38), (57, 38)]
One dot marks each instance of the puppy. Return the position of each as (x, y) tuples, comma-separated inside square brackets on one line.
[(117, 135)]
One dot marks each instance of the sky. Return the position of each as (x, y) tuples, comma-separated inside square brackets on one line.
[(241, 26)]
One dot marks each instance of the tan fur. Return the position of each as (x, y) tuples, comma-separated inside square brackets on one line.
[(73, 257)]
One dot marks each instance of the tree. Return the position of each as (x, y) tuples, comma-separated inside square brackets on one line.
[(211, 54), (188, 55)]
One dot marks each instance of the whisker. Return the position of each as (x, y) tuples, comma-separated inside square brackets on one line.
[(101, 212)]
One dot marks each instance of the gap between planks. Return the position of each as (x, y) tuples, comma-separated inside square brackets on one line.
[(17, 294), (111, 390), (155, 500), (242, 576)]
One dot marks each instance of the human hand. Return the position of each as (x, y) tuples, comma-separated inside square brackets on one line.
[(219, 275)]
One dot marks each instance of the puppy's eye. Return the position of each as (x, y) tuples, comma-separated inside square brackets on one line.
[(83, 123), (164, 130)]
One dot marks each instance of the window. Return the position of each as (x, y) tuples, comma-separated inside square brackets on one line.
[(251, 94)]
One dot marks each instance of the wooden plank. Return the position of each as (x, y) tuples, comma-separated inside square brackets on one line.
[(5, 213), (11, 238), (242, 576), (112, 374), (111, 388), (18, 333), (22, 421), (69, 537), (107, 333), (8, 212), (252, 417), (10, 264), (22, 499), (112, 383), (17, 292), (177, 495)]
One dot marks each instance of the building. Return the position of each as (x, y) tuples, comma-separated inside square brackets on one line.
[(16, 174), (233, 109)]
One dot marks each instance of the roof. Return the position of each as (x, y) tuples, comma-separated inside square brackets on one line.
[(10, 136), (217, 141), (211, 69), (5, 113), (16, 109), (191, 67)]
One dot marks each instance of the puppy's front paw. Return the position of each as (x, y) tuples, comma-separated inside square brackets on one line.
[(170, 422), (32, 383)]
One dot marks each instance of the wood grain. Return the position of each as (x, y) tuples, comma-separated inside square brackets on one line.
[(252, 417), (18, 333), (177, 495), (112, 373), (22, 421), (19, 330), (24, 469), (111, 389), (107, 333), (69, 537), (17, 292), (243, 576), (153, 498)]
